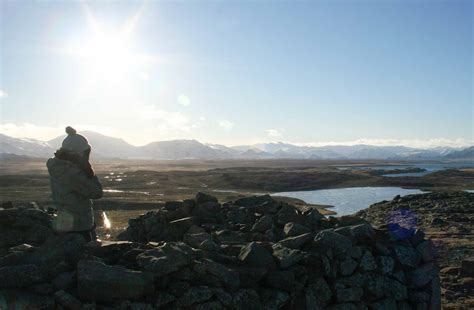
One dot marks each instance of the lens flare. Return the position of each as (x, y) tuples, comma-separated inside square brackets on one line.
[(107, 223)]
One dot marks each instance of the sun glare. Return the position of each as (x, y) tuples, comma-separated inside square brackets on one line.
[(107, 54)]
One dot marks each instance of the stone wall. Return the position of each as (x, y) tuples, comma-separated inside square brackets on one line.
[(253, 253)]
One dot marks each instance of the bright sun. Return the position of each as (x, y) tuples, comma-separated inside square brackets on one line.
[(107, 55)]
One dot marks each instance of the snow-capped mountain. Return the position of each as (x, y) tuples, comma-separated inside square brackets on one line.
[(25, 147), (110, 147)]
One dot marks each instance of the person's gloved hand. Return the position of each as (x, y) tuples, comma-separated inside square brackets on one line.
[(88, 169)]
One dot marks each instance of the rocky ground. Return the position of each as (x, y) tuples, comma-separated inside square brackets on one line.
[(448, 220), (252, 253)]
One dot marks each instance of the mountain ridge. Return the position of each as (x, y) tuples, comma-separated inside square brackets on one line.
[(112, 147)]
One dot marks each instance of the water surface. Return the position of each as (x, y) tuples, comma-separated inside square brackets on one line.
[(428, 167), (349, 200)]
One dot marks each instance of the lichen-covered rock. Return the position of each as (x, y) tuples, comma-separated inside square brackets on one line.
[(286, 257)]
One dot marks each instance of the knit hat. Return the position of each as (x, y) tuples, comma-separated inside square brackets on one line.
[(75, 142)]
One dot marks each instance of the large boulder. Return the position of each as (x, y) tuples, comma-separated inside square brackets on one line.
[(467, 267), (207, 212), (254, 201), (24, 225), (256, 255), (66, 247), (362, 231), (15, 299), (407, 256), (194, 295), (294, 229), (226, 276), (67, 300), (318, 294), (286, 257), (99, 282), (296, 242), (367, 261), (246, 299), (282, 280), (349, 294), (203, 198), (20, 276), (166, 259), (348, 266), (195, 240), (423, 275), (329, 238), (178, 228), (263, 224)]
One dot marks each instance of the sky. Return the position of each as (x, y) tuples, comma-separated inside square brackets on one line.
[(240, 72)]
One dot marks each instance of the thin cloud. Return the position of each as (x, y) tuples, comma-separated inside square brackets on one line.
[(45, 133), (415, 143), (166, 119), (226, 124), (274, 133), (184, 100), (3, 94), (143, 76)]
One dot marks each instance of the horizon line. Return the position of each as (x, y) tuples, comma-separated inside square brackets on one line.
[(408, 143)]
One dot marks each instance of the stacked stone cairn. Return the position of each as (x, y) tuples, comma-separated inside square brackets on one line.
[(253, 253)]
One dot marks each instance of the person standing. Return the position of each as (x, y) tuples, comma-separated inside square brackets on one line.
[(73, 185)]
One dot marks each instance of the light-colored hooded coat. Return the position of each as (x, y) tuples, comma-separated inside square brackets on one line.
[(72, 192)]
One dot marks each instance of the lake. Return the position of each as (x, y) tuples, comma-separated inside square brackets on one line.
[(429, 167), (349, 200)]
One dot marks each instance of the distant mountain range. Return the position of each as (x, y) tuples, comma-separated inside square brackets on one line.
[(110, 147)]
